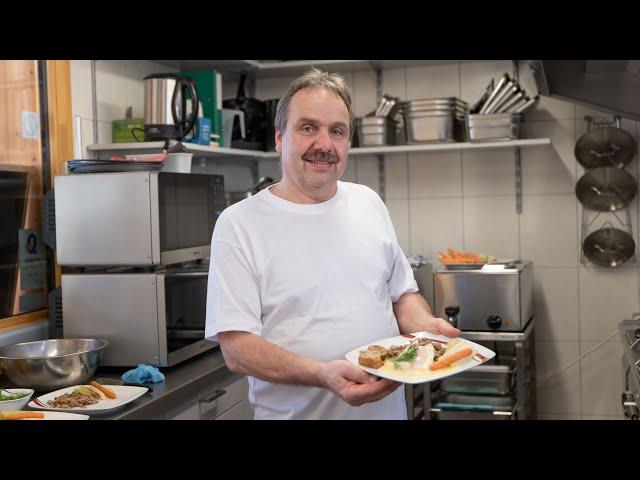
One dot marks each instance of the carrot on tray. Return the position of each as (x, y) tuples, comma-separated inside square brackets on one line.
[(448, 360), (453, 256), (19, 415)]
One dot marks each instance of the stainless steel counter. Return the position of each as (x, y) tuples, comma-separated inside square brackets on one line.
[(183, 382)]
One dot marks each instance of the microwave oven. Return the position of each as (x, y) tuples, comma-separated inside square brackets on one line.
[(140, 218), (152, 318)]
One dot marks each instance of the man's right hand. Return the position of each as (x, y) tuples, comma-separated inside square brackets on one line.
[(355, 386)]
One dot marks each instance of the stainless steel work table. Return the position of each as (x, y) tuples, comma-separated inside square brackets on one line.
[(182, 382)]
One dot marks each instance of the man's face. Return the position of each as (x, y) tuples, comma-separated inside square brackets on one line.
[(315, 143)]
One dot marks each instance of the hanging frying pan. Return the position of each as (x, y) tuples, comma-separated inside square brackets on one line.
[(605, 146), (609, 247), (606, 189)]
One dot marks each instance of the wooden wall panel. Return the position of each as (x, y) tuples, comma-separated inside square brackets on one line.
[(19, 93)]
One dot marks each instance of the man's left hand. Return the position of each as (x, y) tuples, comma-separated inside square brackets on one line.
[(441, 327)]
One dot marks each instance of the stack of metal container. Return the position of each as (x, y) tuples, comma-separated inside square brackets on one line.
[(498, 112), (379, 128), (435, 120)]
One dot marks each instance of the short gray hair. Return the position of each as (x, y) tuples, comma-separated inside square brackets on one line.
[(314, 79)]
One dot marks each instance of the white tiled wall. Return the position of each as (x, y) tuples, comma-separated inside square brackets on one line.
[(466, 200), (119, 85)]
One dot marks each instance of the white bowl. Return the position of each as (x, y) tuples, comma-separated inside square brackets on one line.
[(19, 403)]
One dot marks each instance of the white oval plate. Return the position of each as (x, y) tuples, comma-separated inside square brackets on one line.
[(124, 395)]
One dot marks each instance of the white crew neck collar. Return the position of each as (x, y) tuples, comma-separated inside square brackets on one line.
[(272, 198)]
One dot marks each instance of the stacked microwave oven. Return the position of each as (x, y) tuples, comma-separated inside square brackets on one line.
[(137, 244)]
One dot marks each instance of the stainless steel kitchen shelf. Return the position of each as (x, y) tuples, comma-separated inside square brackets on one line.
[(219, 152), (435, 147), (198, 150)]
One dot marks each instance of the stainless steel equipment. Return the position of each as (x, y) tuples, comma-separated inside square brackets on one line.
[(482, 380), (605, 146), (423, 273), (454, 406), (135, 218), (52, 364), (376, 131), (504, 80), (494, 126), (508, 90), (504, 389), (507, 97), (166, 115), (500, 299), (609, 247), (153, 318), (629, 331), (434, 120), (611, 86), (483, 98), (234, 197), (606, 189), (494, 307)]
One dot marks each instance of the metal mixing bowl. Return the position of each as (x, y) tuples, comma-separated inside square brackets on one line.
[(48, 365)]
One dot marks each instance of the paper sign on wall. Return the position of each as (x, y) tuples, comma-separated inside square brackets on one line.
[(30, 125), (33, 260)]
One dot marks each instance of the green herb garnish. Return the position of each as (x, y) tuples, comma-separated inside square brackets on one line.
[(408, 354)]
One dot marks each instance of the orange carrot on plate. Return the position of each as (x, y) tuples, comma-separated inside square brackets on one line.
[(445, 361), (107, 391)]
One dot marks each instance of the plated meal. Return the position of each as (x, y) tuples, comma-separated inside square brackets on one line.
[(83, 395), (93, 398), (420, 354), (419, 358)]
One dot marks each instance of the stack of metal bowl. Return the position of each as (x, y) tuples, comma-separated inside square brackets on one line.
[(48, 365), (435, 120)]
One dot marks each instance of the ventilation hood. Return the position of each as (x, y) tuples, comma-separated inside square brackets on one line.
[(611, 86)]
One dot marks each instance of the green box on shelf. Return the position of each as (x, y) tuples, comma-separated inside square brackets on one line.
[(122, 131)]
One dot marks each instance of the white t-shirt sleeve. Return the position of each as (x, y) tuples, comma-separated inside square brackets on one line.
[(401, 280), (233, 295)]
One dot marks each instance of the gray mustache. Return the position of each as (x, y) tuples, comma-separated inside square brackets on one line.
[(320, 157)]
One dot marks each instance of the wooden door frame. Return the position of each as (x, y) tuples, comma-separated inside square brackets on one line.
[(60, 136)]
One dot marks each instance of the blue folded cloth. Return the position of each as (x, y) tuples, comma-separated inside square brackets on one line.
[(143, 374)]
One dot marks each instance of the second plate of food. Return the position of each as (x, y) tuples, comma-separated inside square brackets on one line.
[(80, 399)]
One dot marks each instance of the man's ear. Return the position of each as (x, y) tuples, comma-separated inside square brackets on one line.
[(278, 141)]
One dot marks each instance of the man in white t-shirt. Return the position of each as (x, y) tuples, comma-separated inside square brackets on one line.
[(309, 269)]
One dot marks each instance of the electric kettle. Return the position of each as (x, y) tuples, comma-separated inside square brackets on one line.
[(170, 106)]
